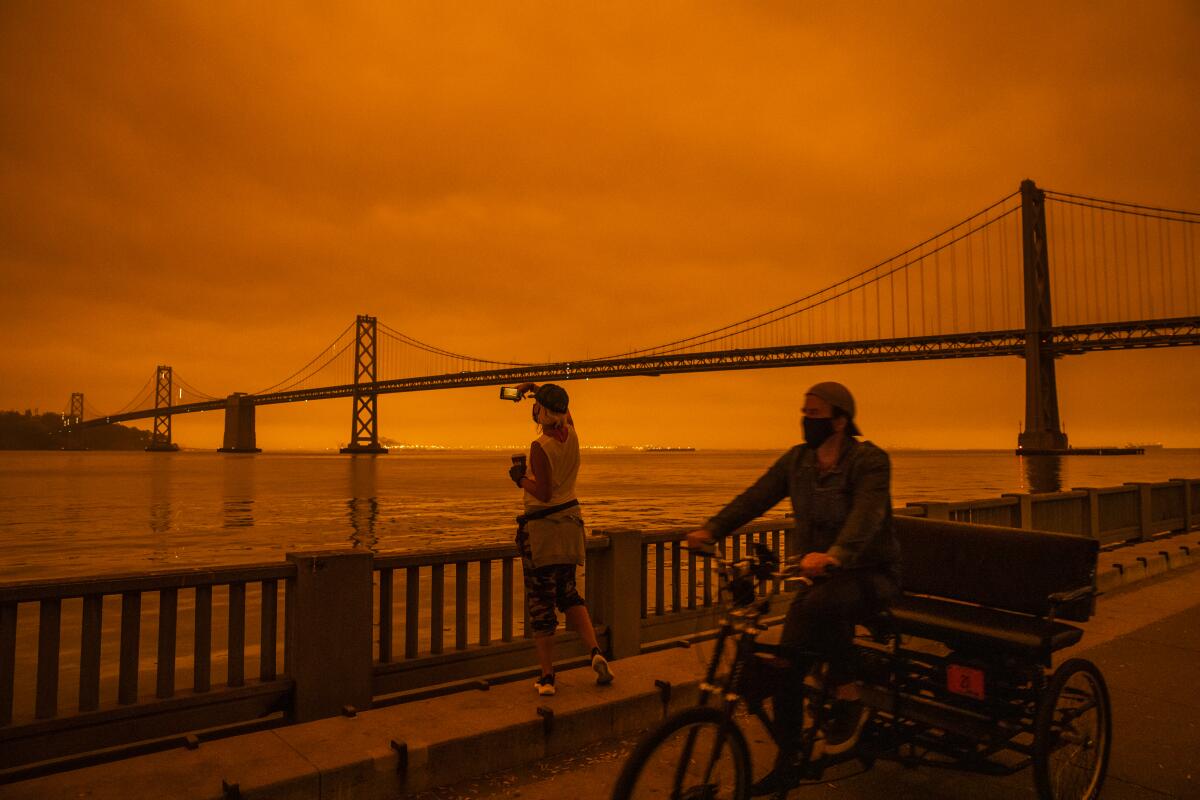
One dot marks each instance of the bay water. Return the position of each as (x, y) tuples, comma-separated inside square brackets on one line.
[(81, 513)]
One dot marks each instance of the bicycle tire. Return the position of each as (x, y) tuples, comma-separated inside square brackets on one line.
[(656, 746), (1076, 689)]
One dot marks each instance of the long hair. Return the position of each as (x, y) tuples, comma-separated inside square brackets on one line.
[(551, 419)]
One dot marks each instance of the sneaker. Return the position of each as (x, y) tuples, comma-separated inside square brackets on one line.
[(604, 675), (844, 725), (545, 685)]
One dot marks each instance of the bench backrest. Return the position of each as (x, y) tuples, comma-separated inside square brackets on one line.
[(1007, 568)]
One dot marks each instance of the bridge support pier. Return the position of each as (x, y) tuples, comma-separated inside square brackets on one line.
[(364, 422), (239, 425), (160, 439), (1043, 430)]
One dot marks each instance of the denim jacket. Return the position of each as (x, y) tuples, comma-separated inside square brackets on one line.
[(846, 512)]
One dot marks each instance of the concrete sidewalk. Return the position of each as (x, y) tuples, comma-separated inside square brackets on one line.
[(404, 749)]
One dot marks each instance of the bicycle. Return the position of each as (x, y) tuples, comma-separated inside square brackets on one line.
[(981, 698), (703, 748)]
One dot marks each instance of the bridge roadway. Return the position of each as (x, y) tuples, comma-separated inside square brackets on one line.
[(1145, 637), (1069, 340)]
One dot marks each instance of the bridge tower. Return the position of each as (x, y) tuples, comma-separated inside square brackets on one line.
[(364, 423), (160, 439), (74, 434), (1043, 431)]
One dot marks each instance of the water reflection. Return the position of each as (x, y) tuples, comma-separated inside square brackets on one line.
[(1042, 473), (160, 505), (160, 515), (363, 505), (238, 505)]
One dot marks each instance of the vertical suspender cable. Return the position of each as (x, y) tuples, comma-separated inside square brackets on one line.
[(1078, 246), (1164, 292), (937, 290), (1105, 279), (954, 304), (987, 271), (908, 331), (878, 281), (1110, 265), (970, 243), (892, 299), (1004, 273), (1137, 280)]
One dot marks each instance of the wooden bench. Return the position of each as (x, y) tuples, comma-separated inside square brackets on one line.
[(994, 592)]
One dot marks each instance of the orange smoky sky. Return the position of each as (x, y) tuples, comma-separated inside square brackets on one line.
[(223, 187)]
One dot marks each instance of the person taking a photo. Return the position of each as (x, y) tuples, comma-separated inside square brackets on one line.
[(550, 533)]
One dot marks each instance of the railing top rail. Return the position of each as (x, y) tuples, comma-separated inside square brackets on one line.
[(763, 526), (60, 588), (994, 502), (430, 557), (1129, 489), (1042, 497)]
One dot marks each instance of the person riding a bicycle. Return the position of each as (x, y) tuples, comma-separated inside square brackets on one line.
[(841, 499)]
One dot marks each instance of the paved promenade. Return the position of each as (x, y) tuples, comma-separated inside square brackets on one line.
[(1145, 637)]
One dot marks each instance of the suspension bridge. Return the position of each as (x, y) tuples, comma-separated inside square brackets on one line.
[(1121, 276)]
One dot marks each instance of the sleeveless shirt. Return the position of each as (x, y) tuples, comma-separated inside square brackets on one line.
[(564, 465)]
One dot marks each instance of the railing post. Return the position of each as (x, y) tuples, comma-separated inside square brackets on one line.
[(933, 510), (329, 633), (1185, 486), (618, 577), (1091, 511), (1024, 519), (1145, 508)]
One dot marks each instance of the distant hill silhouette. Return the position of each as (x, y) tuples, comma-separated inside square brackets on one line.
[(29, 431)]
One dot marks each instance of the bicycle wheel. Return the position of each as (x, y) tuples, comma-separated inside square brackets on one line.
[(697, 754), (1072, 733)]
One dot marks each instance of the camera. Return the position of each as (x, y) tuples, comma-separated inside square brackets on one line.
[(510, 393)]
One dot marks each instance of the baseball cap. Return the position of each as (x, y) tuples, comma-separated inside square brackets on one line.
[(553, 397), (838, 395)]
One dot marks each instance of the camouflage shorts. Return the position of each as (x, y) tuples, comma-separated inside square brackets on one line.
[(546, 588)]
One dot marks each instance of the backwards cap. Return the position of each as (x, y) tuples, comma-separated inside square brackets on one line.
[(838, 395), (553, 397)]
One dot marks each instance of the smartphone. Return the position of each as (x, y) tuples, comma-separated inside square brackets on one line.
[(509, 393)]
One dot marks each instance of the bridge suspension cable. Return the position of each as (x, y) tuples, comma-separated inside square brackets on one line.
[(1115, 261), (186, 392), (827, 312), (144, 398), (325, 357)]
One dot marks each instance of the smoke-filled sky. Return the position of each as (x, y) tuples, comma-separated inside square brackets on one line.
[(223, 187)]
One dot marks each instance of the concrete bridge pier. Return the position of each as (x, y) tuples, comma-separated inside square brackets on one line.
[(239, 425)]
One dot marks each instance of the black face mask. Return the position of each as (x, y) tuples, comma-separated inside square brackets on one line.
[(817, 430)]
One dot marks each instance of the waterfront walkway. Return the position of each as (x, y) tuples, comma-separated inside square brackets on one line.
[(1145, 637)]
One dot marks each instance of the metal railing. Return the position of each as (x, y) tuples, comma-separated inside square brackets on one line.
[(1114, 514), (167, 653), (121, 686)]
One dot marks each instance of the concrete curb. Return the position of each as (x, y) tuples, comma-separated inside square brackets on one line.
[(1125, 565), (388, 752)]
